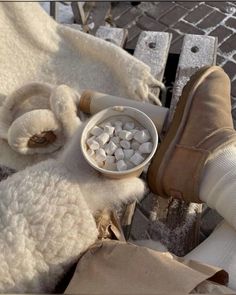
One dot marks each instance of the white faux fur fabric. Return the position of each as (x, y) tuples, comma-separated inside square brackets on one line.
[(47, 218), (34, 47), (21, 119), (36, 121)]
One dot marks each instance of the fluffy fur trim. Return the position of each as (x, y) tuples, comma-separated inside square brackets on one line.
[(30, 124), (61, 120)]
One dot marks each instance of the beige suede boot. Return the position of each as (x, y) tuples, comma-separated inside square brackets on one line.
[(201, 127)]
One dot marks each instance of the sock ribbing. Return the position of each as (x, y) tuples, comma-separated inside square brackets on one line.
[(218, 187), (219, 250)]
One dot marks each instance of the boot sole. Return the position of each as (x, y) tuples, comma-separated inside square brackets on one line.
[(161, 158)]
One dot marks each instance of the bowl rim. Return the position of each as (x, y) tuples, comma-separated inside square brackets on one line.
[(134, 169)]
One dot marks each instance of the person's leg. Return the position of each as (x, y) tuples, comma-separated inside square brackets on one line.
[(218, 185), (202, 129), (197, 162), (219, 250)]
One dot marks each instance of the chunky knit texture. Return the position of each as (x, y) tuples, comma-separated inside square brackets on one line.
[(218, 187)]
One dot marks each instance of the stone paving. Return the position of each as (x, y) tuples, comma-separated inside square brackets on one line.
[(202, 18)]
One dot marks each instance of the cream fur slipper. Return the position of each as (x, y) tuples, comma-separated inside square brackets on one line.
[(36, 120)]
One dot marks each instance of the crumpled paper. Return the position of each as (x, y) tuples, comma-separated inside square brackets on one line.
[(115, 267)]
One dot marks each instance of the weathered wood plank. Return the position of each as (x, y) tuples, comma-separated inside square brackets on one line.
[(197, 51), (181, 221), (118, 36), (78, 12), (115, 35), (99, 14), (54, 9), (126, 219), (75, 26), (173, 222), (152, 49)]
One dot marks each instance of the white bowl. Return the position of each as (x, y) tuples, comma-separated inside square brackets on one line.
[(110, 113)]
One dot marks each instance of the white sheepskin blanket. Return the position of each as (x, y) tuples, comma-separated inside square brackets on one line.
[(47, 218), (34, 47)]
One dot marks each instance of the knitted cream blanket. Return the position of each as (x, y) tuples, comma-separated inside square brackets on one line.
[(35, 47)]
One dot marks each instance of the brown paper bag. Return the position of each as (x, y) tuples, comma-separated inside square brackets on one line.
[(109, 226), (114, 267)]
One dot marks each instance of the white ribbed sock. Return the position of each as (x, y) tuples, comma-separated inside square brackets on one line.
[(218, 190), (218, 186), (219, 250)]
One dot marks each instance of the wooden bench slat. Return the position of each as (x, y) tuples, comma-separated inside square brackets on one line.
[(118, 36), (54, 10), (100, 11), (115, 35), (78, 12), (197, 51), (152, 49), (176, 223)]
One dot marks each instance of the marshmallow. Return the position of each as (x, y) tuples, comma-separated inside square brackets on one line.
[(90, 152), (110, 166), (100, 164), (121, 165), (116, 140), (110, 159), (133, 131), (96, 131), (128, 153), (119, 154), (118, 145), (142, 136), (125, 144), (118, 129), (105, 124), (135, 145), (103, 138), (93, 144), (110, 148), (146, 148), (90, 139), (118, 123), (129, 126), (100, 155), (124, 134), (109, 129), (110, 163), (129, 164), (137, 159)]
